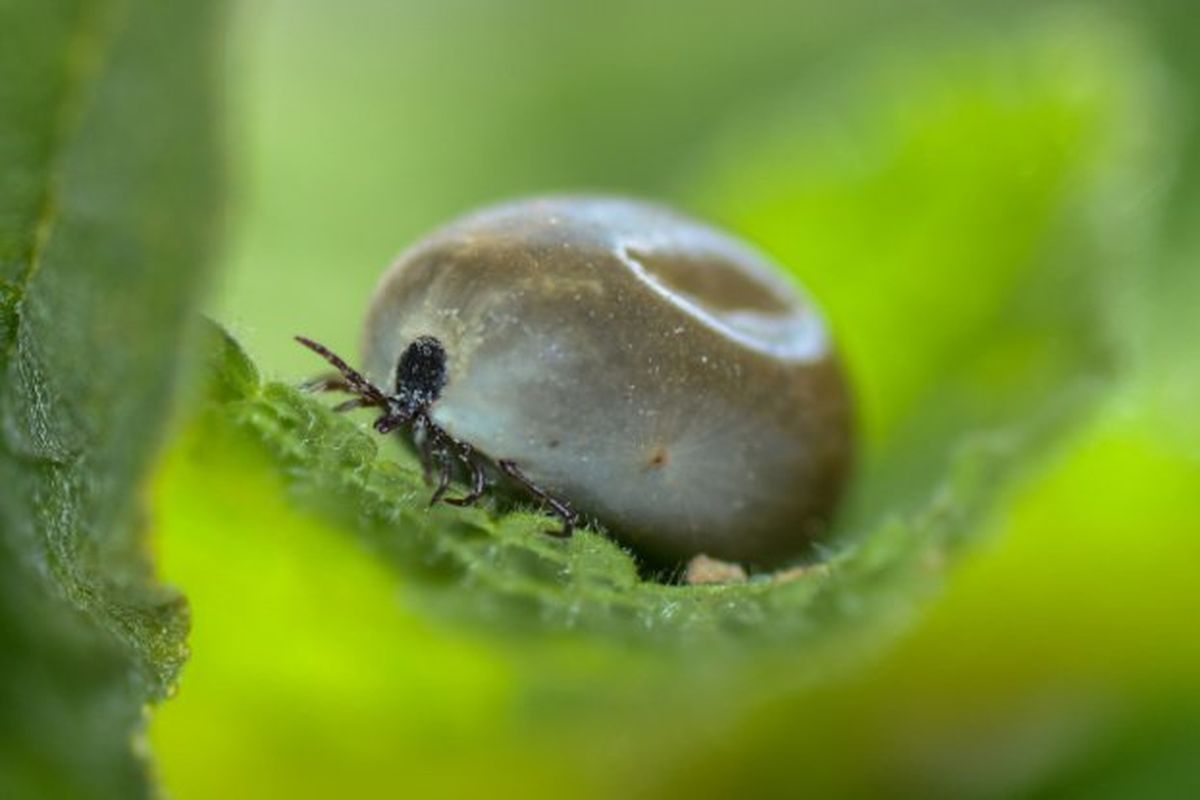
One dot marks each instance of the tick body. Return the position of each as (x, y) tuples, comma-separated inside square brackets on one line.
[(626, 363)]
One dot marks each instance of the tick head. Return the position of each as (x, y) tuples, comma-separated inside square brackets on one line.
[(421, 373)]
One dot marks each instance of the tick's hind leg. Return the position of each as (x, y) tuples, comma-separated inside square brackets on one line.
[(570, 519)]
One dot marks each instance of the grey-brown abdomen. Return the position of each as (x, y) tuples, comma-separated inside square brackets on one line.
[(656, 374)]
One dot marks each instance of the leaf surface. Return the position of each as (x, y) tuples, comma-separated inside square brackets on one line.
[(107, 207)]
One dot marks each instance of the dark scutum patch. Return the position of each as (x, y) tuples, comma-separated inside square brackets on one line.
[(421, 373)]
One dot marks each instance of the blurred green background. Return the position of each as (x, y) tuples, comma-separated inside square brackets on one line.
[(997, 206)]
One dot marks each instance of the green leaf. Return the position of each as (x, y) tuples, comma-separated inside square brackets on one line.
[(107, 204), (499, 568), (973, 181)]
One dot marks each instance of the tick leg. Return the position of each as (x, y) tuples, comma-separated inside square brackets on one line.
[(354, 380), (326, 382), (570, 520), (351, 404), (349, 380), (443, 482), (423, 437), (477, 483), (387, 423)]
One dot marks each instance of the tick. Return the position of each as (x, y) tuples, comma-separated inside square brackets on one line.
[(618, 363)]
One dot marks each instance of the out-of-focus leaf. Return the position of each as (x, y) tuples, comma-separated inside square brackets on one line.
[(106, 211), (1059, 662)]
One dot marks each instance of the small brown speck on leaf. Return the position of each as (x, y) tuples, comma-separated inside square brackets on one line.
[(705, 570)]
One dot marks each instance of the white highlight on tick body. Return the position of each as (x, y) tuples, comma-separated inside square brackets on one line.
[(798, 336)]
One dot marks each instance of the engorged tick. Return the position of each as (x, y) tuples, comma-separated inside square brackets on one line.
[(616, 362)]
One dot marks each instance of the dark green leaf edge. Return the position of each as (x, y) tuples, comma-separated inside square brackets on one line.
[(106, 204)]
